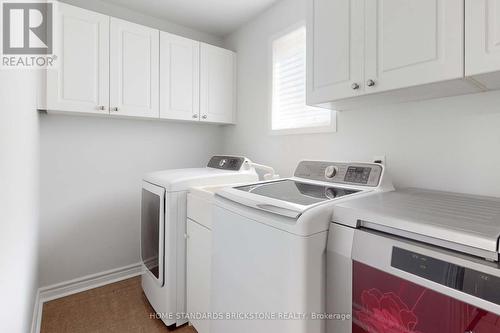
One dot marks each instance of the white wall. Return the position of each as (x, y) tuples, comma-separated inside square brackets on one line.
[(91, 171), (133, 16), (451, 144), (18, 199)]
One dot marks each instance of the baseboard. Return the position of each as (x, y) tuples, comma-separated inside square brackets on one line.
[(74, 286), (37, 314)]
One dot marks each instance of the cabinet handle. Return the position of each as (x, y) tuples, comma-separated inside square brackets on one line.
[(370, 83), (101, 107), (204, 116), (195, 116), (355, 86), (115, 109)]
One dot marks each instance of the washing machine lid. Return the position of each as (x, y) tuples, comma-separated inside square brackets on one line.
[(289, 197), (296, 192)]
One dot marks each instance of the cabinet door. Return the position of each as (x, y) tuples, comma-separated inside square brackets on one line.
[(217, 85), (179, 77), (199, 247), (482, 36), (134, 68), (413, 42), (80, 80), (335, 32)]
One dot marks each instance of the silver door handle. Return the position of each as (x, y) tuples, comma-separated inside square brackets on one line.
[(101, 107), (370, 83), (355, 86), (195, 116), (204, 116), (115, 109)]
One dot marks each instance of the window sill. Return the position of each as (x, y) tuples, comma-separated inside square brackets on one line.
[(304, 130)]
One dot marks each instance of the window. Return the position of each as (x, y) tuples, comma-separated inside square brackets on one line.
[(289, 112)]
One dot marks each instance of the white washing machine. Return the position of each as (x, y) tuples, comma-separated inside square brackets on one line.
[(269, 246), (163, 228)]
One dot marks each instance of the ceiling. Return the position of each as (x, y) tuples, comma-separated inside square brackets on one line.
[(217, 17)]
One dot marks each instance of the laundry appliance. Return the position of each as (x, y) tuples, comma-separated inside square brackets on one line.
[(269, 246), (163, 229), (415, 261)]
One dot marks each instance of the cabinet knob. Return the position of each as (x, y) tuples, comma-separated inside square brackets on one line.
[(115, 109), (195, 116), (370, 83), (101, 107), (355, 86), (204, 116)]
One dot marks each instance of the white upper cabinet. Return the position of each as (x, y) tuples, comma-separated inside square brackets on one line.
[(483, 41), (217, 84), (366, 52), (335, 37), (179, 77), (114, 67), (80, 81), (413, 42), (134, 68)]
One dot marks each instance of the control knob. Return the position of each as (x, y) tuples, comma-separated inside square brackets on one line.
[(330, 193), (331, 171)]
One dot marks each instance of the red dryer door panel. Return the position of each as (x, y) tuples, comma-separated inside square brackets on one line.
[(383, 303)]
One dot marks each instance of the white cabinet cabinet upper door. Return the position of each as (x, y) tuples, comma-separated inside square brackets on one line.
[(482, 36), (179, 77), (217, 84), (413, 42), (335, 41), (80, 80), (134, 59)]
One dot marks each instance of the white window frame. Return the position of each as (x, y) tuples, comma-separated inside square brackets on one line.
[(332, 128)]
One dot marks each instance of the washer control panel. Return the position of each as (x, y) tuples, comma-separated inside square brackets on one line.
[(363, 174), (231, 163)]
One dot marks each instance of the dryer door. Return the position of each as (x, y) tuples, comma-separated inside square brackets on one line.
[(153, 231)]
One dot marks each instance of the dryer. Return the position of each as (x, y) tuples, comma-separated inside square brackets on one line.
[(163, 229)]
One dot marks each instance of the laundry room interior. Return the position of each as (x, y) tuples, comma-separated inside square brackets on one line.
[(299, 166)]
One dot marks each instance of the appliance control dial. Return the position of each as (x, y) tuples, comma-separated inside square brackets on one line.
[(331, 171), (222, 163)]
